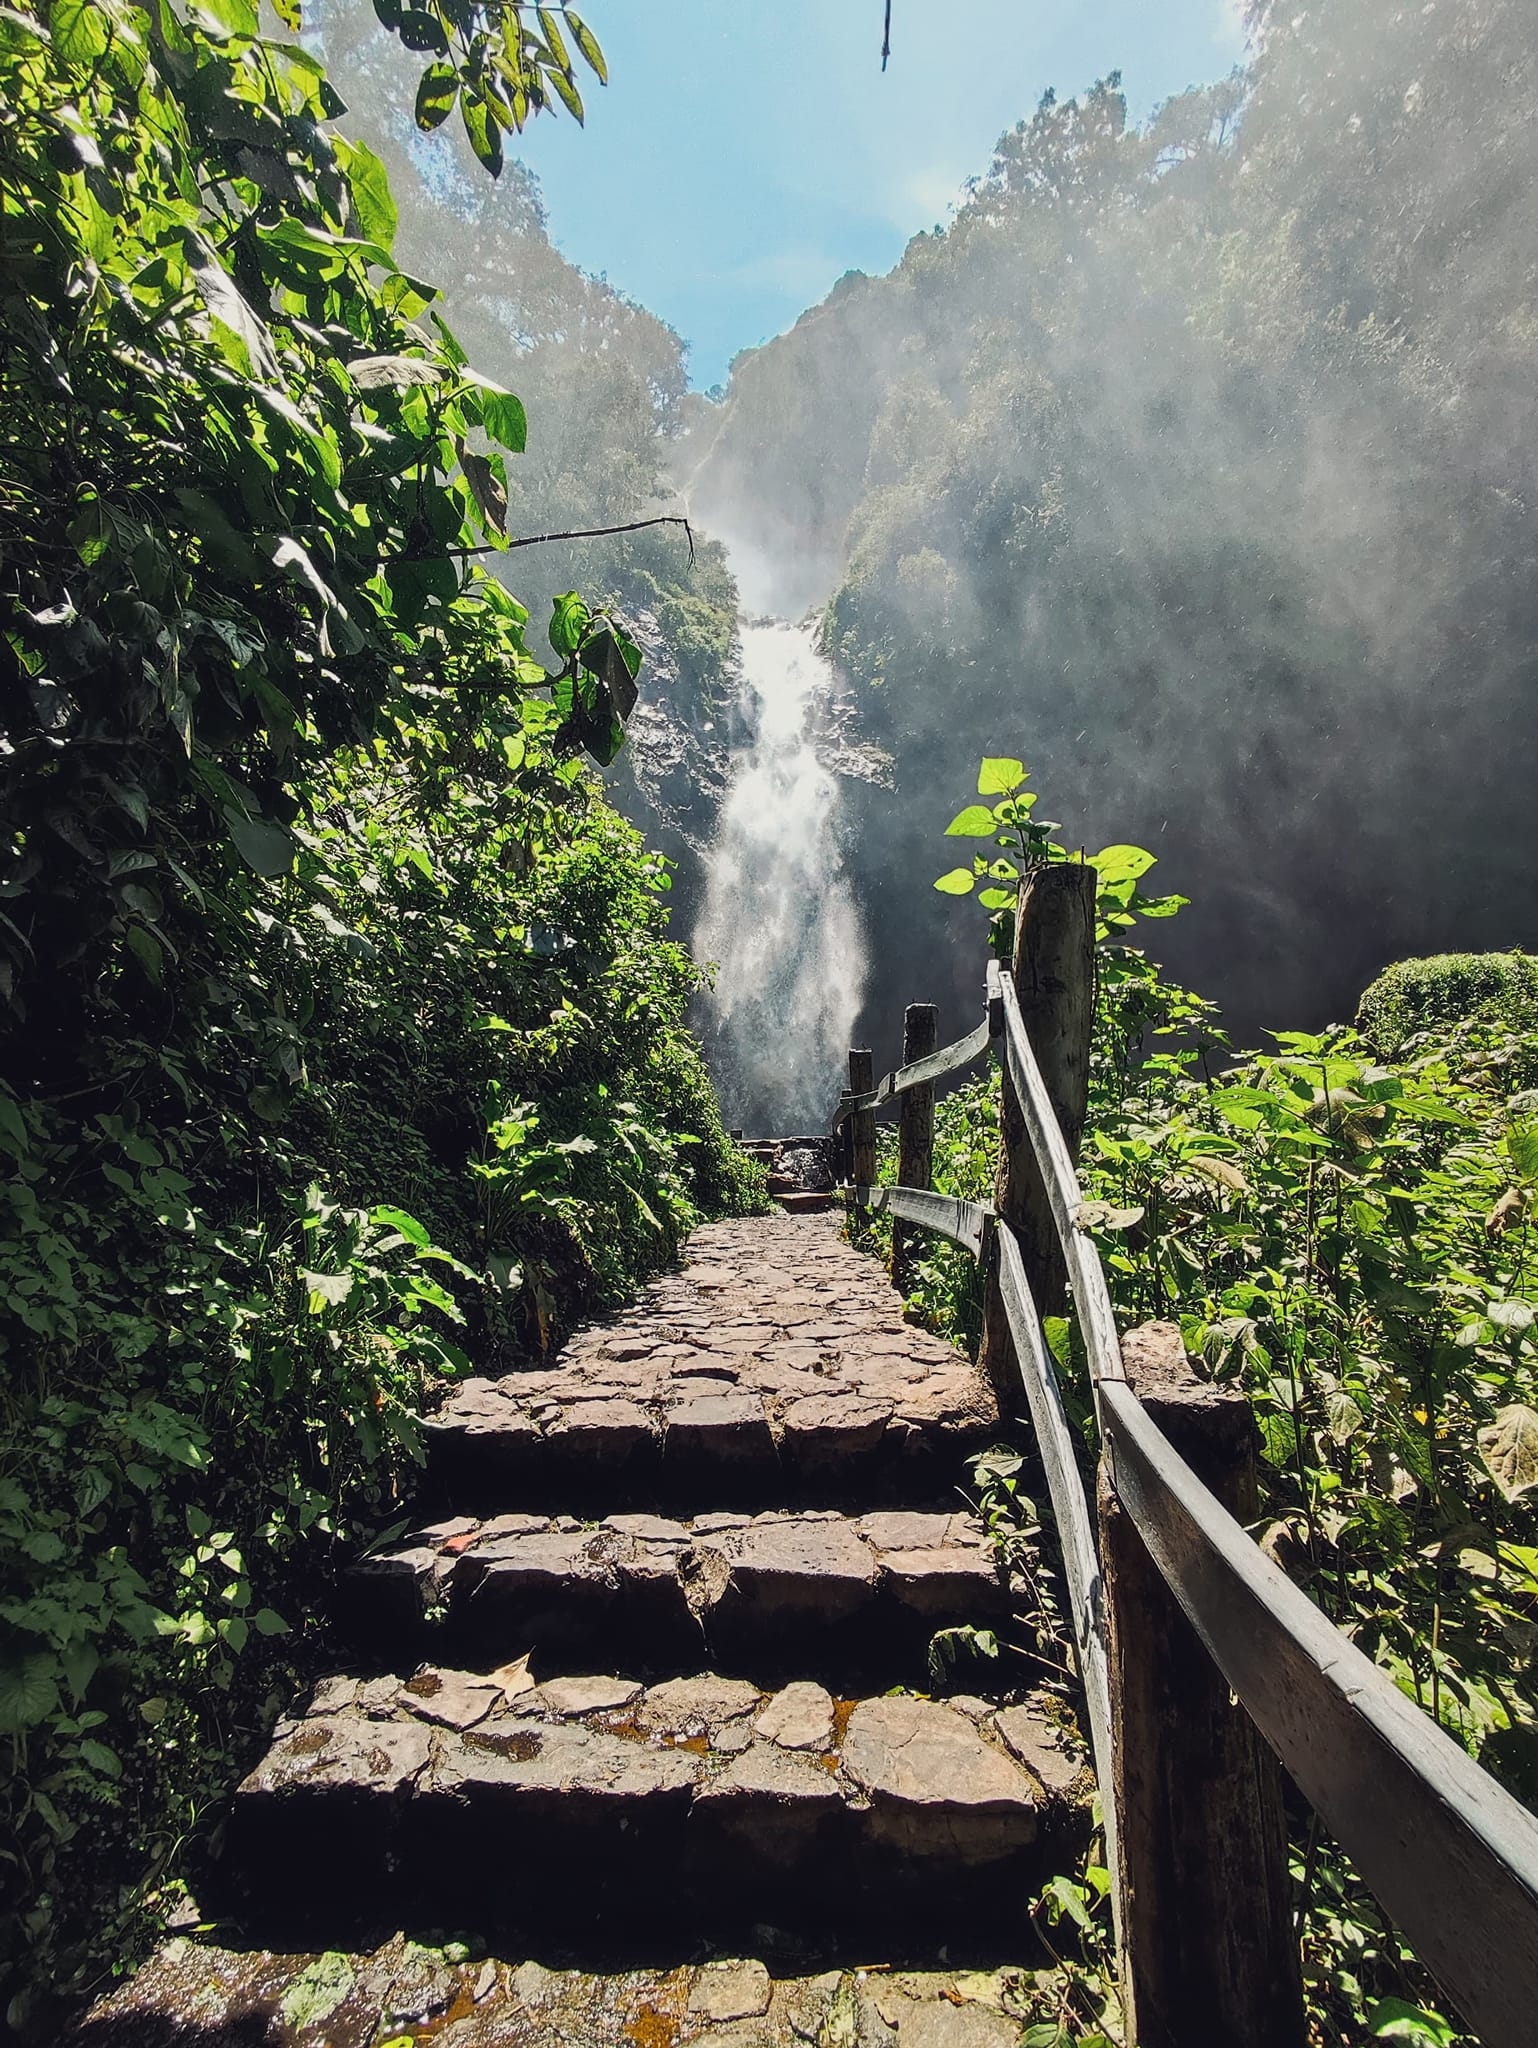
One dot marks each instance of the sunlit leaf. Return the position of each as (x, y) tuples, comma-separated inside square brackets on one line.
[(958, 882), (975, 822), (437, 91), (999, 775), (1509, 1448)]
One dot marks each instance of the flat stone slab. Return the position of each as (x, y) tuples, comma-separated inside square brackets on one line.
[(775, 1364), (189, 1989), (747, 1591), (937, 1786)]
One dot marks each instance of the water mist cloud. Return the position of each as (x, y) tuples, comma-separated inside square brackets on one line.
[(778, 920)]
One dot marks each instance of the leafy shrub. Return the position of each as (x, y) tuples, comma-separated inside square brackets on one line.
[(339, 1028), (1447, 989)]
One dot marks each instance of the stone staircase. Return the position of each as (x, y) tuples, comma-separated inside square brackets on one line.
[(635, 1683)]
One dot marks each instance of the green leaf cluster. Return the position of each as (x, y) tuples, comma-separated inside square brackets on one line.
[(307, 896)]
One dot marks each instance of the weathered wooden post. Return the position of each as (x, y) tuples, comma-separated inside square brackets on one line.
[(1208, 1947), (862, 1078), (915, 1131), (1053, 970)]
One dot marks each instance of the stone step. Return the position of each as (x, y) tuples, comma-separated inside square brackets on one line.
[(490, 1801), (850, 1600), (201, 1992), (800, 1202), (774, 1369)]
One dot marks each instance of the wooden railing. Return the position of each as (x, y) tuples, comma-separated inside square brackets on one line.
[(1202, 1663)]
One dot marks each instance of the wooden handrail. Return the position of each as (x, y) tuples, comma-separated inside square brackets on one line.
[(1452, 1855), (1086, 1277), (1075, 1529), (964, 1223), (936, 1065)]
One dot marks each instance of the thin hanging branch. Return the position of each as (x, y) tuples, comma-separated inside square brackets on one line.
[(534, 540), (886, 36)]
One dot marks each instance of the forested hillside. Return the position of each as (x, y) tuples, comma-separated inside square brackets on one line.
[(603, 380), (1197, 460)]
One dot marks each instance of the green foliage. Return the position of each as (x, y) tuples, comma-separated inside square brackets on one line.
[(339, 1028), (500, 60), (1349, 1240), (1022, 841), (1448, 989)]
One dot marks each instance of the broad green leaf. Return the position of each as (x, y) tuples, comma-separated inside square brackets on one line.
[(369, 373), (80, 30), (408, 1226), (1522, 1147), (29, 1690), (550, 29), (327, 1290), (268, 849), (587, 43), (267, 1623), (1000, 775), (475, 111), (996, 899), (1392, 2020), (436, 94), (1106, 1216), (421, 30), (1121, 863), (1343, 1418), (566, 90), (147, 950), (569, 621), (975, 822), (293, 560), (372, 199), (1511, 1315), (226, 18), (503, 417), (13, 1127), (1509, 1448)]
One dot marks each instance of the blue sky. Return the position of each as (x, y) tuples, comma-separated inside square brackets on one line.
[(748, 152)]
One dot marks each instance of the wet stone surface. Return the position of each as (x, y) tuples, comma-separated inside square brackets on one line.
[(775, 1361), (408, 1993)]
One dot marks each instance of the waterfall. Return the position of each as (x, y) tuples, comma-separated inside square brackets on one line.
[(778, 922)]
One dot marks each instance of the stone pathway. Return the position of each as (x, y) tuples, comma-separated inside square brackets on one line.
[(667, 1729), (404, 1992), (775, 1367)]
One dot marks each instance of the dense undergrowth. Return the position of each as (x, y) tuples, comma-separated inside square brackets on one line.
[(1348, 1237), (341, 1036)]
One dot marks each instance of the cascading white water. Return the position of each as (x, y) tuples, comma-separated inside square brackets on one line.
[(777, 921)]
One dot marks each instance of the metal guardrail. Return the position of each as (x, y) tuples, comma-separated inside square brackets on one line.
[(1452, 1856)]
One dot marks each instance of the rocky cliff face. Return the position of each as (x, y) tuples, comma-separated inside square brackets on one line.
[(671, 776)]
